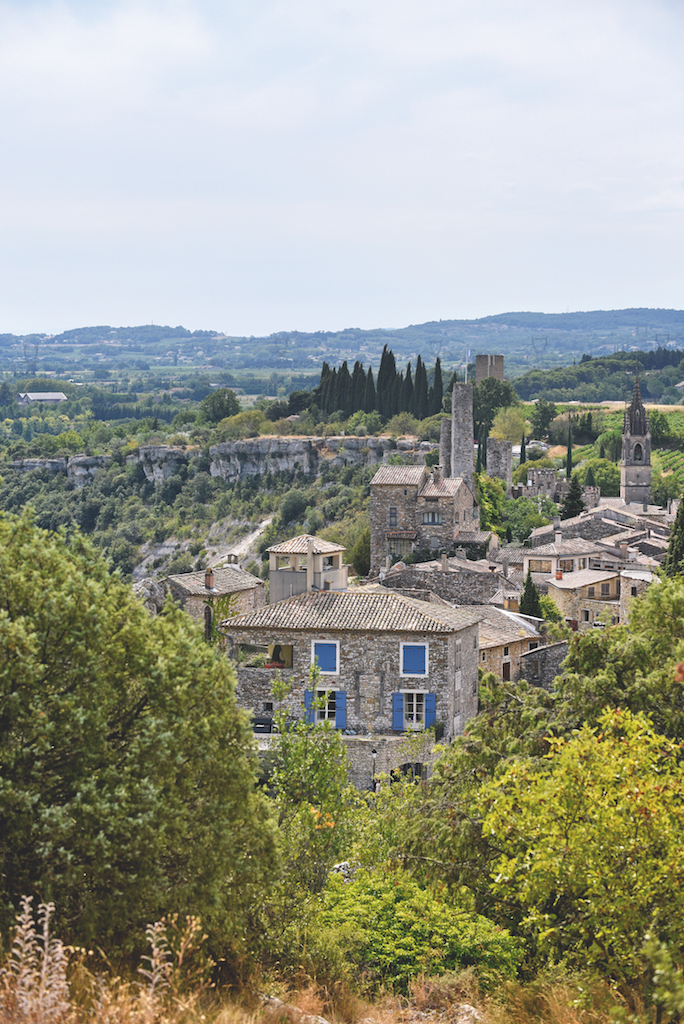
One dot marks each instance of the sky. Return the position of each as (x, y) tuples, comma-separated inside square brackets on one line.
[(252, 166)]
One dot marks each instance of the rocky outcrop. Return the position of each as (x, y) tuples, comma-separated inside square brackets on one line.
[(29, 465), (234, 460), (151, 593), (160, 461), (80, 469)]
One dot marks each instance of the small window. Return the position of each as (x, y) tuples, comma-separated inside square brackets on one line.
[(325, 652), (457, 655), (591, 591), (535, 669), (616, 620), (605, 590), (638, 453), (633, 591), (326, 701), (565, 564), (507, 651), (414, 659), (432, 518), (474, 643), (484, 655), (585, 615), (534, 644), (268, 705), (393, 515)]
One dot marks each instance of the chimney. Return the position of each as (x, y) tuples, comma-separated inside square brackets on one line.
[(645, 506), (310, 563), (437, 474), (444, 566), (556, 523), (209, 579), (623, 551), (505, 568), (559, 574)]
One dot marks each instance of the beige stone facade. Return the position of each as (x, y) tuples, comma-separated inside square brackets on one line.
[(415, 510), (228, 590)]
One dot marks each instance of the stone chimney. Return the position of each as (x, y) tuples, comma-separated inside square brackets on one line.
[(437, 474), (556, 523), (624, 556), (209, 579), (444, 567), (309, 563), (505, 568)]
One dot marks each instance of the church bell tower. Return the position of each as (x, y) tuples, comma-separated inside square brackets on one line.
[(635, 468)]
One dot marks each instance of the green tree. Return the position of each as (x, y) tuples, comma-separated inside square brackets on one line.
[(529, 602), (436, 392), (568, 457), (541, 417), (573, 503), (523, 451), (127, 772), (489, 396), (360, 553), (674, 560), (590, 844), (605, 474), (218, 405)]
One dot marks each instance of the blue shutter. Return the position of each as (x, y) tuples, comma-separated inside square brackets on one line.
[(326, 655), (341, 709), (398, 712), (308, 701), (414, 660), (430, 709)]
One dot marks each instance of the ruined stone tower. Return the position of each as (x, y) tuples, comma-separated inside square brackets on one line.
[(635, 468), (462, 463)]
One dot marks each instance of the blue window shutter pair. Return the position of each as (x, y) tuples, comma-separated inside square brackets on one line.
[(430, 709), (340, 708), (326, 656), (414, 660), (398, 711)]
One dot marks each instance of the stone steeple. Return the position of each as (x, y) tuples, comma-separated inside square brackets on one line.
[(635, 468)]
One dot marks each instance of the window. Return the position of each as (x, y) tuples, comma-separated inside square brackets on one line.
[(534, 644), (585, 615), (591, 591), (616, 620), (540, 565), (393, 515), (605, 590), (326, 706), (633, 591), (565, 564), (457, 655), (268, 706), (484, 655), (326, 652), (434, 518), (507, 651), (582, 563), (638, 453), (400, 548), (414, 659), (413, 710)]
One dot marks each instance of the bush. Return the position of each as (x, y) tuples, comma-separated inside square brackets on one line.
[(295, 504), (402, 423), (387, 926)]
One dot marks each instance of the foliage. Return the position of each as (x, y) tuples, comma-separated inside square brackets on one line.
[(126, 769), (520, 472), (402, 423), (245, 424), (392, 929), (360, 553), (583, 897), (525, 514), (293, 506), (605, 473), (217, 406), (674, 560), (489, 396), (573, 502), (509, 424), (541, 417), (529, 602), (491, 497), (549, 609)]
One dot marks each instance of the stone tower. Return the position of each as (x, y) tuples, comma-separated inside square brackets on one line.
[(635, 468), (462, 463)]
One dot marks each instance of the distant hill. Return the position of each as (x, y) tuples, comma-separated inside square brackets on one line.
[(528, 340)]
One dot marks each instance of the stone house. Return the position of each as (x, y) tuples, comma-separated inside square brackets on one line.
[(389, 665), (412, 509), (598, 596), (229, 590), (541, 665), (303, 564), (456, 580), (504, 636), (25, 398), (563, 556)]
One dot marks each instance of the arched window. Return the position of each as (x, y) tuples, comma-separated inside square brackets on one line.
[(638, 453)]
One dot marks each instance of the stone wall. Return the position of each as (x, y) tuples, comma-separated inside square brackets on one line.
[(500, 460), (460, 586), (588, 528), (493, 659), (462, 463), (541, 667), (369, 673)]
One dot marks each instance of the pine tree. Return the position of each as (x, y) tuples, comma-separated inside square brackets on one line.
[(436, 392), (370, 400), (674, 560), (568, 461), (573, 503), (523, 451), (407, 392), (420, 389), (529, 602)]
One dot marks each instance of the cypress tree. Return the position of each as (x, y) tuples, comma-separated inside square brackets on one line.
[(590, 478), (436, 392), (358, 387), (529, 602), (370, 399), (321, 391), (568, 461), (573, 503), (344, 389), (480, 444), (420, 390), (674, 560), (386, 383), (333, 392), (407, 392), (523, 451)]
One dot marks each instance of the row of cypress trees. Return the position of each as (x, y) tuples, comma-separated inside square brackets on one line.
[(394, 392)]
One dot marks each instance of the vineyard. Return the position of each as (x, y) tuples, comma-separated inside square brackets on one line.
[(668, 461)]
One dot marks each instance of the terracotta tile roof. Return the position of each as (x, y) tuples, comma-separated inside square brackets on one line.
[(369, 610), (576, 546), (447, 487), (499, 627), (399, 475), (229, 580), (583, 578), (472, 536), (299, 546)]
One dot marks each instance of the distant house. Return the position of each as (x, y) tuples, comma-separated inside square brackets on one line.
[(204, 594), (598, 596), (41, 398), (303, 564), (389, 664), (505, 636)]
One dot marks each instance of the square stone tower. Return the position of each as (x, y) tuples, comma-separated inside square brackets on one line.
[(488, 366), (462, 462)]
